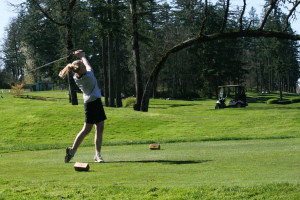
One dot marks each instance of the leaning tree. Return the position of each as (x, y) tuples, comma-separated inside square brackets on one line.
[(224, 33)]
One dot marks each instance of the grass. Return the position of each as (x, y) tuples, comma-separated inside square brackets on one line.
[(34, 124), (87, 191), (264, 97), (250, 153), (240, 168)]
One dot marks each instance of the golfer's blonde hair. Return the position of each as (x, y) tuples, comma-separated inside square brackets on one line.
[(74, 67)]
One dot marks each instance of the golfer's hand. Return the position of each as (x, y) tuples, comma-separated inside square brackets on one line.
[(79, 53)]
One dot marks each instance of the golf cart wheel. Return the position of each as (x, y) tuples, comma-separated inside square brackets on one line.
[(217, 107), (239, 105)]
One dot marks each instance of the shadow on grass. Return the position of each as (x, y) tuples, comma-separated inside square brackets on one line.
[(176, 162), (165, 106), (263, 98), (275, 107), (153, 107), (181, 105)]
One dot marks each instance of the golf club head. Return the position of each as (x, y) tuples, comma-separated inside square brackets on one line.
[(20, 77)]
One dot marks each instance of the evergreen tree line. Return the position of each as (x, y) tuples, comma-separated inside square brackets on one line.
[(124, 39)]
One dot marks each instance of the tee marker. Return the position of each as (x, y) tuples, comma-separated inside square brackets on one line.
[(81, 166), (154, 147)]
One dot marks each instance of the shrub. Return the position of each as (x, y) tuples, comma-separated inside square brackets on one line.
[(17, 89), (129, 102), (295, 100)]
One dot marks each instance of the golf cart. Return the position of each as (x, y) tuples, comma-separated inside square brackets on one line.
[(234, 93)]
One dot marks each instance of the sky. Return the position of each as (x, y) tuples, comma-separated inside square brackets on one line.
[(6, 13)]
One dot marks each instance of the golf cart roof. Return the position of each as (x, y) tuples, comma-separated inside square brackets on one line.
[(230, 86)]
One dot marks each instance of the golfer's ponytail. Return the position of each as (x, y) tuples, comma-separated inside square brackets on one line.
[(70, 67), (63, 73)]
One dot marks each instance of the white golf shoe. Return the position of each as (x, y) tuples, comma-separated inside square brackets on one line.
[(98, 159)]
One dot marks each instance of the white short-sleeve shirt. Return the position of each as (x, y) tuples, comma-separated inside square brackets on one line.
[(88, 85)]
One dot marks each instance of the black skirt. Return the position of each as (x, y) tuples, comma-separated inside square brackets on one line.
[(94, 112)]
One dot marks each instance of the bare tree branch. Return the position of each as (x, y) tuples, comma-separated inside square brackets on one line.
[(205, 19), (225, 17), (289, 15), (249, 26), (272, 6), (242, 15), (48, 16)]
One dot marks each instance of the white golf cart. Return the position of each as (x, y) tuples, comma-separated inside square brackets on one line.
[(234, 93)]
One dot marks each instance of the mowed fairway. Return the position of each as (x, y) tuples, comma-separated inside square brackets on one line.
[(205, 154), (178, 166)]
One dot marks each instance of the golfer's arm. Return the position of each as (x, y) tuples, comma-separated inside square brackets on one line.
[(87, 64)]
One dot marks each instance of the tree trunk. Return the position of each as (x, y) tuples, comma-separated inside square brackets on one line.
[(154, 89), (270, 80), (110, 62), (136, 57), (72, 85), (280, 88), (117, 59), (104, 64), (174, 76), (118, 75), (270, 75), (257, 79), (111, 72), (262, 82), (288, 83)]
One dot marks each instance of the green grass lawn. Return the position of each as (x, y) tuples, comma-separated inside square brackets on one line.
[(183, 167), (249, 153), (34, 124)]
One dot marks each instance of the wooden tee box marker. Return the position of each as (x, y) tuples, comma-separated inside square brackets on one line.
[(81, 166), (154, 147)]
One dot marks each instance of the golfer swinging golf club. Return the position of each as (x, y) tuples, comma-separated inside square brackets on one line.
[(94, 113)]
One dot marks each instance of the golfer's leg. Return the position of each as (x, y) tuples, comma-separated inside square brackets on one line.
[(98, 136), (81, 135)]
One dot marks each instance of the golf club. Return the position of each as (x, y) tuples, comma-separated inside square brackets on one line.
[(22, 75)]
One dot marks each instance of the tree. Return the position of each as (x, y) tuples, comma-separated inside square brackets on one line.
[(99, 11), (222, 34), (136, 55), (64, 12), (39, 43), (117, 31), (195, 47), (13, 57), (110, 63)]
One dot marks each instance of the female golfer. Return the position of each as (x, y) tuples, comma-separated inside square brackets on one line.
[(94, 113)]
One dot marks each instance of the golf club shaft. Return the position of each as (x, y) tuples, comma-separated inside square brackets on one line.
[(47, 64)]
